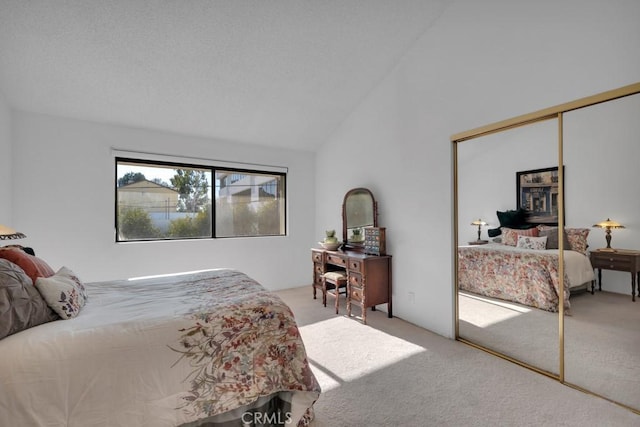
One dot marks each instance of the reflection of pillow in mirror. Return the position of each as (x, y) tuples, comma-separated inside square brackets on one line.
[(511, 219), (552, 237), (535, 243), (494, 232), (510, 235), (578, 239)]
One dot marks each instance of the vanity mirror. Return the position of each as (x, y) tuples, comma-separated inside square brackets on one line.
[(359, 210), (591, 341)]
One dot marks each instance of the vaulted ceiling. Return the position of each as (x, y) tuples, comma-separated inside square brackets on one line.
[(284, 73)]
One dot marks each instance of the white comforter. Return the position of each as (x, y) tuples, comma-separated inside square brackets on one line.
[(156, 352)]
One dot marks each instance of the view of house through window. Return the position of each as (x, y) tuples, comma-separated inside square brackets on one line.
[(163, 201), (249, 204)]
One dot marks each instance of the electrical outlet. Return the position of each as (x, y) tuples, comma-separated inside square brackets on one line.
[(412, 297)]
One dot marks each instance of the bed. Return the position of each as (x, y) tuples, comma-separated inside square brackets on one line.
[(207, 348), (521, 275)]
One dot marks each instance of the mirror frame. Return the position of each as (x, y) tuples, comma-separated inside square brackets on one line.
[(345, 242), (555, 112)]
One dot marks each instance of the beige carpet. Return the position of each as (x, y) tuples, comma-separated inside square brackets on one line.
[(392, 373), (602, 339)]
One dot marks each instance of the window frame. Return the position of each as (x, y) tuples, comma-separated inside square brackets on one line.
[(213, 169)]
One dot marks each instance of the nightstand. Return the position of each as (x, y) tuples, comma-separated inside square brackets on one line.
[(618, 260), (479, 242)]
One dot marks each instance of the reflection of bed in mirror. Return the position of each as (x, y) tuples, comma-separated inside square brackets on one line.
[(524, 276)]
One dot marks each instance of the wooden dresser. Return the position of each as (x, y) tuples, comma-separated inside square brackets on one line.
[(368, 277)]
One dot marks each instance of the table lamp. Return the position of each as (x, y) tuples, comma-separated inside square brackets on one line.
[(479, 223), (608, 225)]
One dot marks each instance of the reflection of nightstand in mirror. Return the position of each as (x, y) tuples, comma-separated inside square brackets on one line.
[(479, 242), (620, 260)]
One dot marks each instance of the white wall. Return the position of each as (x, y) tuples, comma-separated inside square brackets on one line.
[(482, 62), (5, 164), (64, 177)]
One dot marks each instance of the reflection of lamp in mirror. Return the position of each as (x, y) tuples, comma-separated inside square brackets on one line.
[(480, 223), (7, 233), (608, 225)]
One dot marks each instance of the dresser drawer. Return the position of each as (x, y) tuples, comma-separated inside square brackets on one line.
[(356, 294), (336, 260), (611, 262), (355, 265), (355, 280), (316, 257)]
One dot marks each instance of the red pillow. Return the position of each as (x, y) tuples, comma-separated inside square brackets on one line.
[(32, 265)]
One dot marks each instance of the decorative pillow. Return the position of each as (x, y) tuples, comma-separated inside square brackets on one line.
[(578, 239), (32, 265), (30, 251), (511, 219), (21, 306), (552, 237), (510, 235), (494, 232), (64, 293), (66, 272), (575, 239), (536, 243)]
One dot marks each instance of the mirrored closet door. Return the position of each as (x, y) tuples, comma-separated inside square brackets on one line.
[(602, 335), (493, 310), (569, 167)]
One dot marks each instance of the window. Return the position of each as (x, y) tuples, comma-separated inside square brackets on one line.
[(165, 201), (249, 204)]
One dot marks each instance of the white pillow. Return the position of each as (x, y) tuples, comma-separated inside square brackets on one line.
[(528, 242), (63, 292)]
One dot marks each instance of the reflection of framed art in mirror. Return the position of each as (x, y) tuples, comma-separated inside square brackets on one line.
[(537, 194)]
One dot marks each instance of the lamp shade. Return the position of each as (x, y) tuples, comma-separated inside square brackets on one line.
[(7, 233), (479, 222), (608, 224)]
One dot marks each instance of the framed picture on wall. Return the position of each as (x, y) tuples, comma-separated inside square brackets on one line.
[(537, 194)]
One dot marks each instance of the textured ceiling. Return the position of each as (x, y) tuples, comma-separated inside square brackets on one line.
[(280, 72)]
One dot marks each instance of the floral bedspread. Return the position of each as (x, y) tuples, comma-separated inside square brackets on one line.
[(174, 350), (525, 277), (243, 343)]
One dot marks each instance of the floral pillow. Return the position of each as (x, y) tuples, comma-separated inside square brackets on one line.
[(65, 272), (575, 238), (63, 292), (578, 239), (535, 243), (510, 235)]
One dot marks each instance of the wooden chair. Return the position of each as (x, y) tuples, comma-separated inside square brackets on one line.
[(334, 283)]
